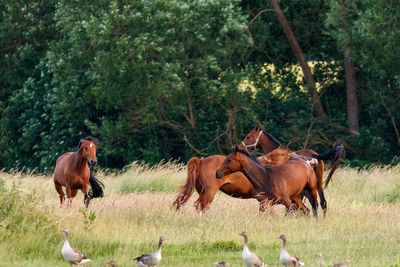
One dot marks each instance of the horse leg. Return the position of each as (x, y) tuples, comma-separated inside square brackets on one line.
[(300, 204), (86, 200), (319, 173), (73, 194), (206, 197), (314, 204), (68, 191), (322, 199), (265, 205), (60, 192), (306, 194), (285, 200), (199, 189)]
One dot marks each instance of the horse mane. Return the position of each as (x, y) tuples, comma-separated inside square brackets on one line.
[(277, 154), (250, 155), (273, 139), (88, 138)]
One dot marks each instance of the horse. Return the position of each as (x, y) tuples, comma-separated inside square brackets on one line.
[(73, 172), (282, 184), (257, 138), (201, 175)]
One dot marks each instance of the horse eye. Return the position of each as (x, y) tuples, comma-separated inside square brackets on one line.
[(85, 148), (247, 137), (229, 160)]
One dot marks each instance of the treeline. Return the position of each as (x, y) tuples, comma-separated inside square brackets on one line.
[(170, 79)]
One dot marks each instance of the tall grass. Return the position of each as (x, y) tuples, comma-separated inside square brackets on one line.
[(361, 227)]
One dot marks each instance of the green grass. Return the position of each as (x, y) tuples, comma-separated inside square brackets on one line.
[(361, 227)]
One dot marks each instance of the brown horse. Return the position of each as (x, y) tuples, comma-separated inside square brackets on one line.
[(73, 172), (201, 175), (256, 139), (282, 184)]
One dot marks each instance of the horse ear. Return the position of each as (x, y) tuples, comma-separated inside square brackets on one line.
[(236, 149), (256, 127)]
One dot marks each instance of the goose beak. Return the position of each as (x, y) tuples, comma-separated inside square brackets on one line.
[(107, 262), (61, 230), (278, 237), (239, 233)]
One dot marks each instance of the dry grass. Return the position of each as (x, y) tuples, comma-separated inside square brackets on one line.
[(361, 227)]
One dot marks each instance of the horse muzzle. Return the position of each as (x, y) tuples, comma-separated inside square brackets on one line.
[(218, 175), (93, 162)]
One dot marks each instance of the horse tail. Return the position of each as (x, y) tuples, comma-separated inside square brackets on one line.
[(96, 187), (333, 155), (193, 167)]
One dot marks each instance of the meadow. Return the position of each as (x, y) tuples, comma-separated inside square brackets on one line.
[(362, 225)]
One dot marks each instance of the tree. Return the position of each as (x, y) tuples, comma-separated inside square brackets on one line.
[(300, 57), (345, 13)]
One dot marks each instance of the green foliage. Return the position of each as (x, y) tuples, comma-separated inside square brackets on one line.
[(370, 29), (226, 246), (88, 218), (13, 205), (165, 79), (19, 217)]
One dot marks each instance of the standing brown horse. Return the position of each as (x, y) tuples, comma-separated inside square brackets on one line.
[(73, 172), (282, 184), (256, 139)]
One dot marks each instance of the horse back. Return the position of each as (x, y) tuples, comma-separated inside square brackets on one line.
[(208, 167), (291, 176), (306, 152)]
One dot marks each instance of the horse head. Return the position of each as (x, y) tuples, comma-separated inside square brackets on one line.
[(87, 148), (231, 164), (258, 138)]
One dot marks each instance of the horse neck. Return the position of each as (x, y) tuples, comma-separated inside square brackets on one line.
[(78, 161), (254, 173), (266, 144)]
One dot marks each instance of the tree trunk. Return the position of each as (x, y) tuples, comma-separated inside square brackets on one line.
[(300, 57), (351, 85), (351, 93)]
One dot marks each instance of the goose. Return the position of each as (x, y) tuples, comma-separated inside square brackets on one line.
[(151, 259), (285, 258), (250, 259), (72, 255), (112, 263), (321, 262), (221, 264)]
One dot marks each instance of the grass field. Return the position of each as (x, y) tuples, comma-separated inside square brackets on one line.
[(362, 226)]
